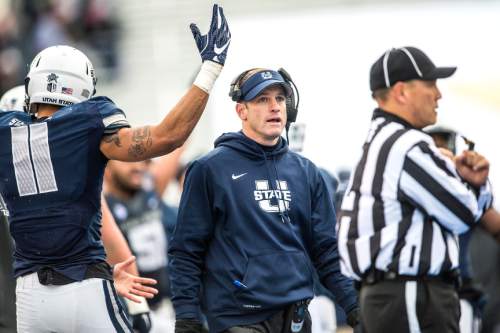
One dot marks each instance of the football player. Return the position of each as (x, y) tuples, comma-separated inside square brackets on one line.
[(117, 249), (53, 159)]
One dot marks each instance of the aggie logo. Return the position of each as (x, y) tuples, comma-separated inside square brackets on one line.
[(272, 201)]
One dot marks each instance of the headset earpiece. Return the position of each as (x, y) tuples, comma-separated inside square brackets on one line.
[(234, 89), (291, 110), (292, 101)]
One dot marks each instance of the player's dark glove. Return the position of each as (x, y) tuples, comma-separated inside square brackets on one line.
[(214, 45), (353, 317), (141, 323), (188, 326)]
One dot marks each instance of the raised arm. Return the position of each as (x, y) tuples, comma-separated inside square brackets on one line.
[(136, 144)]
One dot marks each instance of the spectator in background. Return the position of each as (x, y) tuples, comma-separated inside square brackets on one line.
[(92, 24), (11, 64), (101, 31)]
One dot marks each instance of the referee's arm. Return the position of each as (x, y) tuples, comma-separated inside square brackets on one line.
[(430, 181)]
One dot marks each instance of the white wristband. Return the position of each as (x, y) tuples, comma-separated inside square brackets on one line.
[(136, 308), (208, 74)]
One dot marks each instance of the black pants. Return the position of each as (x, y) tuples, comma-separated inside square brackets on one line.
[(409, 306), (278, 323)]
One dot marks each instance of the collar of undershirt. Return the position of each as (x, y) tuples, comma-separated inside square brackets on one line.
[(392, 117)]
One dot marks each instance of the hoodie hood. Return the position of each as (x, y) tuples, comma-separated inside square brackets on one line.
[(246, 146)]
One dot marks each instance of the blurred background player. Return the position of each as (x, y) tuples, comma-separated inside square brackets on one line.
[(13, 99), (479, 253), (134, 194)]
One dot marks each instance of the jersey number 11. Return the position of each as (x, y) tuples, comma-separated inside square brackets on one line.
[(31, 159)]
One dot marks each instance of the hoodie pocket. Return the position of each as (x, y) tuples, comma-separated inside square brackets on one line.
[(275, 279)]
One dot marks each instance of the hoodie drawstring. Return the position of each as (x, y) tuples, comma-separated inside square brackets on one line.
[(283, 214)]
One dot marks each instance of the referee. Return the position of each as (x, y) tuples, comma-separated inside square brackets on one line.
[(406, 204)]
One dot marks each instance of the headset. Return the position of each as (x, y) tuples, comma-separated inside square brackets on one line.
[(292, 101)]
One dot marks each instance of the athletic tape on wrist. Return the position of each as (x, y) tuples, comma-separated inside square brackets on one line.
[(209, 72), (136, 308)]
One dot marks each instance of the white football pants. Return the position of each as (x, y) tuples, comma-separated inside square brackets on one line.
[(89, 306), (469, 322)]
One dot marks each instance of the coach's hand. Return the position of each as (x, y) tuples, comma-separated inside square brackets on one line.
[(188, 326), (130, 286), (473, 168), (214, 45)]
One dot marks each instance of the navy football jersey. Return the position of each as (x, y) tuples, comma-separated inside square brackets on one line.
[(144, 222), (51, 181)]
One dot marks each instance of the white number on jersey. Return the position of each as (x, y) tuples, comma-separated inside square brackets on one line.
[(31, 157)]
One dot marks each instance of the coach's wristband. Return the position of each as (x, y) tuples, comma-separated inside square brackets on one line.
[(209, 72)]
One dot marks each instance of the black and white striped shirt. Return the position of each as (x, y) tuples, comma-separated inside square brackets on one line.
[(405, 205)]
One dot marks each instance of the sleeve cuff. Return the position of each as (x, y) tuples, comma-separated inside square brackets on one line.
[(187, 311)]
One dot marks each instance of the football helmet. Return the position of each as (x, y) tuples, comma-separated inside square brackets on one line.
[(448, 138), (14, 99), (60, 75)]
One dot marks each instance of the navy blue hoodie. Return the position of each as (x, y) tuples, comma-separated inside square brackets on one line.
[(252, 226)]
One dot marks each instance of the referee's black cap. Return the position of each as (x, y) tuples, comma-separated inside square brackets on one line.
[(405, 64)]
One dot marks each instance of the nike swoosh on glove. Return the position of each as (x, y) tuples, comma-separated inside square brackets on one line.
[(214, 45)]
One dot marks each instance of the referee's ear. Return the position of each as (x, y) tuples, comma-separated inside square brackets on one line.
[(399, 92)]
